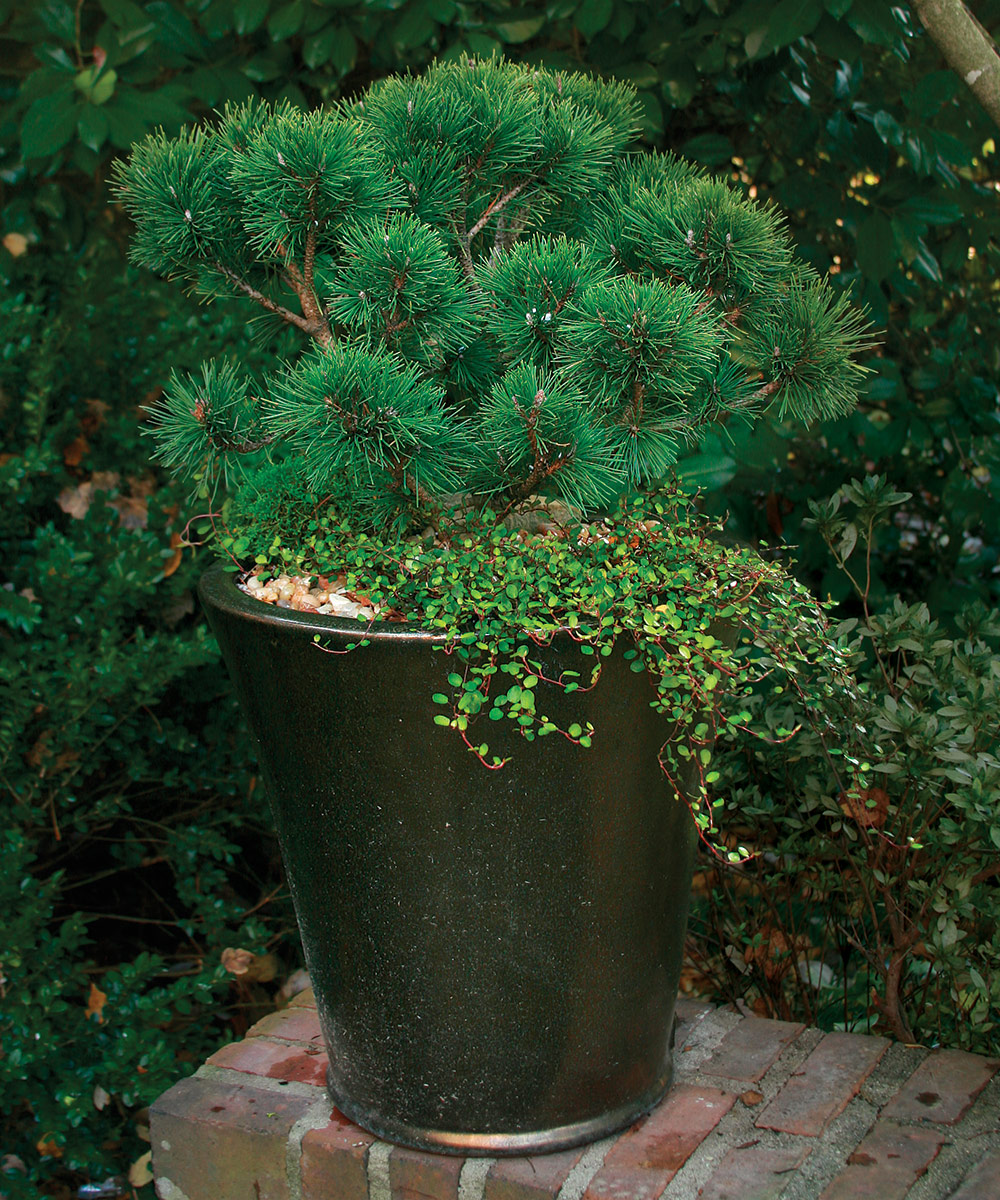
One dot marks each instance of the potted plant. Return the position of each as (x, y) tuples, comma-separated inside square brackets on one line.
[(497, 648)]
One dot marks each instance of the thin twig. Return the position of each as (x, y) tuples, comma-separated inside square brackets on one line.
[(493, 208)]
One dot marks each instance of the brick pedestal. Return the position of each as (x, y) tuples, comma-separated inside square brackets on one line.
[(760, 1110)]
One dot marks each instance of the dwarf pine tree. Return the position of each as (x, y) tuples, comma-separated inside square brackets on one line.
[(496, 300)]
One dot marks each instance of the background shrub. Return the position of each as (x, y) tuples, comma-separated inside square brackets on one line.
[(134, 843), (872, 902), (121, 796)]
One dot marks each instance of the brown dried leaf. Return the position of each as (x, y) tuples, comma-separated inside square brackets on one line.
[(40, 749), (15, 244), (63, 760), (250, 967), (131, 510), (263, 968), (48, 1147), (174, 561), (105, 481), (236, 962), (869, 807), (74, 452), (140, 1172), (142, 485), (775, 953), (76, 501), (95, 415), (182, 606), (95, 1003)]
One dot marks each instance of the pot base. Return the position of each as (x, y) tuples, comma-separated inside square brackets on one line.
[(500, 1145)]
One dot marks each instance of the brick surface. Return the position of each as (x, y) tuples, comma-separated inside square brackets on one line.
[(982, 1182), (334, 1161), (274, 1059), (536, 1178), (226, 1137), (415, 1175), (748, 1051), (299, 1024), (644, 1160), (753, 1171), (824, 1084), (214, 1141), (304, 999), (687, 1016), (887, 1163), (942, 1088), (687, 1010)]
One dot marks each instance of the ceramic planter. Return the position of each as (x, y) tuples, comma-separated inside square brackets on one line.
[(495, 954)]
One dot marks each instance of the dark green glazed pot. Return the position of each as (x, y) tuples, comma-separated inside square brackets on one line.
[(495, 954)]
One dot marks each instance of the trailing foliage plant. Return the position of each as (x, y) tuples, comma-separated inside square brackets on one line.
[(509, 322)]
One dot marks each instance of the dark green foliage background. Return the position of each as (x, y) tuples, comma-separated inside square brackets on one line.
[(841, 112)]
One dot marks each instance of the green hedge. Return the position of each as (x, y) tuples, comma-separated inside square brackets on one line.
[(135, 844)]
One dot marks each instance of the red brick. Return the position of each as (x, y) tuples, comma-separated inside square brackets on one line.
[(887, 1163), (217, 1141), (303, 999), (824, 1084), (942, 1088), (748, 1051), (536, 1178), (982, 1181), (644, 1160), (418, 1175), (754, 1172), (293, 1024), (687, 1016), (274, 1060), (335, 1161), (688, 1009)]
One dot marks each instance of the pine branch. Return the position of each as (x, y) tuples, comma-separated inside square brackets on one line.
[(310, 303), (768, 390), (319, 331), (462, 238), (543, 465), (407, 482), (638, 395), (307, 299), (301, 281), (229, 445), (517, 227), (494, 207)]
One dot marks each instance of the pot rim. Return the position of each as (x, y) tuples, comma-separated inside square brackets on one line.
[(218, 586)]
